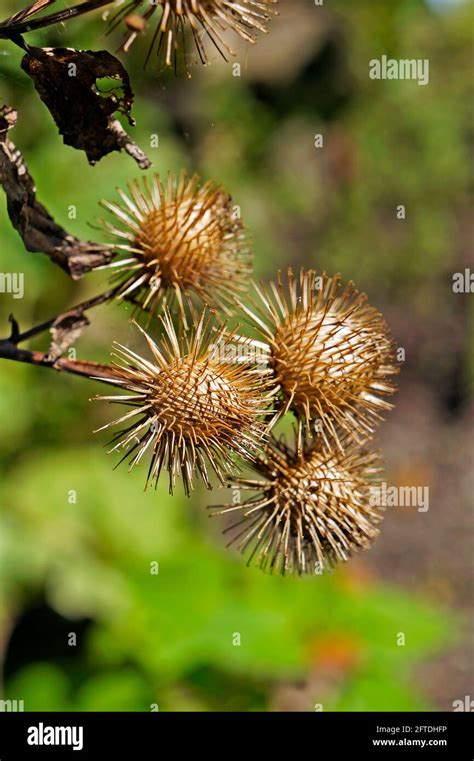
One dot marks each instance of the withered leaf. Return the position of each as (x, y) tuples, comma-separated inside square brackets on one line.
[(65, 331), (83, 108), (37, 228)]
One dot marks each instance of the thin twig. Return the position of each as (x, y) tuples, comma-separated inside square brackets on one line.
[(9, 346), (11, 29), (80, 308), (86, 369)]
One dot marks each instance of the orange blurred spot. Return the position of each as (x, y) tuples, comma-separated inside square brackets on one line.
[(336, 653)]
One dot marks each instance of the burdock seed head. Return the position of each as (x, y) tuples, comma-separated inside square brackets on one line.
[(182, 240), (206, 21), (189, 409), (311, 507), (331, 353)]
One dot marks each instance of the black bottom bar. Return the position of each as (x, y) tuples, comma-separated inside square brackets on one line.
[(151, 735)]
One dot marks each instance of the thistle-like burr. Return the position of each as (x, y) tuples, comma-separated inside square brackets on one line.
[(189, 409), (311, 507), (330, 351), (182, 241)]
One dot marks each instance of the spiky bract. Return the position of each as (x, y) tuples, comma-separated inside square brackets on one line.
[(189, 410), (311, 507), (330, 351), (184, 240)]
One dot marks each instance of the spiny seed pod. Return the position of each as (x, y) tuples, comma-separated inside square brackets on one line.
[(312, 507), (330, 351), (206, 20), (188, 407), (184, 240)]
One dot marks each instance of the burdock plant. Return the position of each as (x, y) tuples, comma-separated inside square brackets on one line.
[(199, 406), (196, 405)]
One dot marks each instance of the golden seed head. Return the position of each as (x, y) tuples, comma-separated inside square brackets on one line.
[(188, 407), (183, 240), (311, 507), (331, 353), (207, 21)]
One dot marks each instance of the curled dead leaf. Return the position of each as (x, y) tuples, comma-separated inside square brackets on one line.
[(37, 228), (84, 90), (65, 331)]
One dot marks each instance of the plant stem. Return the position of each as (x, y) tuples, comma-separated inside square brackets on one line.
[(83, 307), (9, 30), (74, 366), (9, 346)]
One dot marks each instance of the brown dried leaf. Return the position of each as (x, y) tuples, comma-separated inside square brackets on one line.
[(67, 83), (37, 228), (65, 331)]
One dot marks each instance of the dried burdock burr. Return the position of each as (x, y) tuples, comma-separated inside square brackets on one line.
[(311, 506), (183, 240), (331, 353), (205, 21), (189, 409)]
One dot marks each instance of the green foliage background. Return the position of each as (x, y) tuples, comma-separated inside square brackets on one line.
[(167, 639)]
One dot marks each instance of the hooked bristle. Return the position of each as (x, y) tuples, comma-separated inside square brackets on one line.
[(189, 409), (311, 509), (331, 353)]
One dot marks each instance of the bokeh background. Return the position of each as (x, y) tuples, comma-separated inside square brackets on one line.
[(77, 539)]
